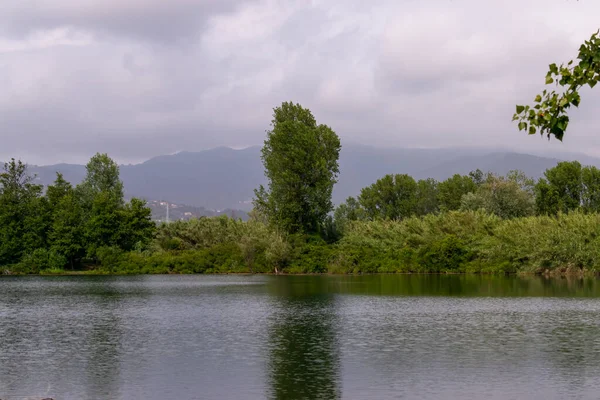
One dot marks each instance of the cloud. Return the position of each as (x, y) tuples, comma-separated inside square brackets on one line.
[(147, 77), (155, 20)]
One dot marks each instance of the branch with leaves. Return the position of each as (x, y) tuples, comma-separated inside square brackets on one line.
[(549, 114)]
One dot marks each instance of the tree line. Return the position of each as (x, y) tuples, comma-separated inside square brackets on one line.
[(65, 226), (566, 187), (396, 224)]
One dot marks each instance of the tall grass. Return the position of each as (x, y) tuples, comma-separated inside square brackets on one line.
[(472, 242)]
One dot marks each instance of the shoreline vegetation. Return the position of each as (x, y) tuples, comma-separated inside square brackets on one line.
[(558, 273), (453, 242), (456, 242), (480, 223)]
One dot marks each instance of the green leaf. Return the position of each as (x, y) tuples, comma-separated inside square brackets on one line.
[(522, 125), (549, 80), (532, 130), (538, 98), (520, 109), (553, 68), (559, 135)]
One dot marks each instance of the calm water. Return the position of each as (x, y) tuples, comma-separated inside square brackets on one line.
[(310, 337)]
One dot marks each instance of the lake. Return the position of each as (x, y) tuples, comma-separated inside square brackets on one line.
[(299, 337)]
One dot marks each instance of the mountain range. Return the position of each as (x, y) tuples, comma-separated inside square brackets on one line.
[(224, 178)]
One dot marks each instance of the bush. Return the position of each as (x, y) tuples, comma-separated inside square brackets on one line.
[(109, 257), (446, 255)]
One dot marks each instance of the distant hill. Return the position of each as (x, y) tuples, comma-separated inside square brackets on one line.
[(224, 178), (215, 179)]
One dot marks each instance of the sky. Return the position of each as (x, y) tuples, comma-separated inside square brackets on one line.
[(140, 78)]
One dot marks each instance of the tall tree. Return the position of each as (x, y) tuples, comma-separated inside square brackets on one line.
[(101, 197), (102, 228), (102, 177), (549, 114), (23, 213), (66, 232), (66, 235), (301, 165), (58, 190), (137, 227)]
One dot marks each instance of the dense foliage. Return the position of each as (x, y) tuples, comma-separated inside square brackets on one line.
[(67, 226), (482, 223), (301, 165)]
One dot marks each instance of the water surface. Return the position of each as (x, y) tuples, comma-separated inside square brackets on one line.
[(299, 337)]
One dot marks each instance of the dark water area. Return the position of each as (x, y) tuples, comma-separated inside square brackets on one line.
[(299, 337)]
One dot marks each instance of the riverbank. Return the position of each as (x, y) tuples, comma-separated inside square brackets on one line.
[(567, 272), (455, 242)]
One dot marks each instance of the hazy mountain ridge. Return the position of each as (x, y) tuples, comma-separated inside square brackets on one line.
[(224, 178)]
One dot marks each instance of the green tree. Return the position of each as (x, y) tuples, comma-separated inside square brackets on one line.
[(451, 191), (23, 213), (350, 210), (66, 233), (301, 165), (391, 197), (590, 180), (137, 227), (102, 203), (102, 177), (58, 190), (523, 181), (477, 176), (506, 197), (567, 187), (560, 190), (103, 227), (549, 114), (546, 198), (427, 197)]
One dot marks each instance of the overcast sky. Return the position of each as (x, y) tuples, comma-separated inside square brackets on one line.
[(139, 78)]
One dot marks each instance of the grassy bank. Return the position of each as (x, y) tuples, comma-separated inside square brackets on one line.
[(454, 242)]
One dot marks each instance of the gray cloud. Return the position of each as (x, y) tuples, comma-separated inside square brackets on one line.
[(156, 20), (146, 77)]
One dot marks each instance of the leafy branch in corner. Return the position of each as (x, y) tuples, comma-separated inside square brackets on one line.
[(549, 114)]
